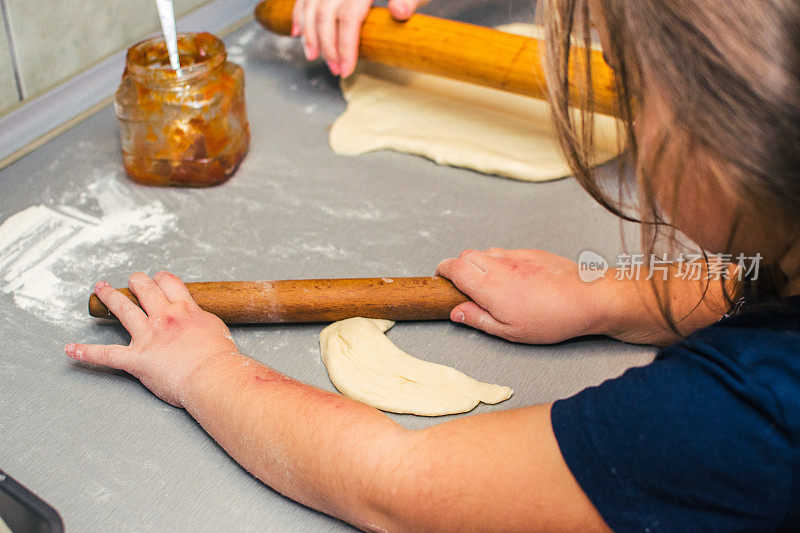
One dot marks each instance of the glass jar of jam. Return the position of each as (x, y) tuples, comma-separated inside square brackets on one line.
[(183, 128)]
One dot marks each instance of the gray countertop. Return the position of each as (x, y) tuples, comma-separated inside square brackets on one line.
[(106, 453)]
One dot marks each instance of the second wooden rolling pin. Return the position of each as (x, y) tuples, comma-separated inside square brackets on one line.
[(318, 300), (465, 52)]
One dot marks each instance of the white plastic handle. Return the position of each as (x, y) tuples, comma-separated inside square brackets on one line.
[(166, 14)]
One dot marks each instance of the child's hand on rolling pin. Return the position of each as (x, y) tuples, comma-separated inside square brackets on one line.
[(333, 27), (170, 335), (528, 296)]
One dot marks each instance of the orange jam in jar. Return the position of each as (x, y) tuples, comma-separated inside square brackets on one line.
[(183, 128)]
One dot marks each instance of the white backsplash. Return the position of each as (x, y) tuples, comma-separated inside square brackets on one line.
[(55, 39)]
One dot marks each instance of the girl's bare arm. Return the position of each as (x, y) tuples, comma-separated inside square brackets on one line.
[(501, 470)]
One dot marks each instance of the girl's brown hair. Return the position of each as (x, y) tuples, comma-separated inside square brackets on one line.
[(723, 79)]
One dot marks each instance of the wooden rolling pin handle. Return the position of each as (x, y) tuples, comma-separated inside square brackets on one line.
[(460, 51), (317, 300)]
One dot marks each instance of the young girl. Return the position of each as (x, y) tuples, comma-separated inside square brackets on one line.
[(706, 437)]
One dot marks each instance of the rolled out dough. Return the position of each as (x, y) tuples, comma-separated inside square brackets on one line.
[(365, 365), (456, 123)]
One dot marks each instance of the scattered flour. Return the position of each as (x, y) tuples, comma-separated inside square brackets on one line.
[(236, 54), (247, 37), (286, 48), (297, 247), (50, 255), (359, 214)]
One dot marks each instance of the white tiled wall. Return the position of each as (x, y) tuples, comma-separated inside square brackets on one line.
[(8, 83), (55, 39)]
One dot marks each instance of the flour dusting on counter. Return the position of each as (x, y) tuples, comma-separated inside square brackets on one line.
[(51, 254)]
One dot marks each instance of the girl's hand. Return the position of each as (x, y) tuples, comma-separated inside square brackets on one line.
[(170, 335), (334, 26), (526, 296)]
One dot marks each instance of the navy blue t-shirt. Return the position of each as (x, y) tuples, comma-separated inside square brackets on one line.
[(706, 437)]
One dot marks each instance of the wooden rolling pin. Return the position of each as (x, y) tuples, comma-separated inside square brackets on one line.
[(317, 300), (459, 51)]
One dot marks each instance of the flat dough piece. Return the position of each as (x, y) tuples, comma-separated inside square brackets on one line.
[(456, 123), (364, 365)]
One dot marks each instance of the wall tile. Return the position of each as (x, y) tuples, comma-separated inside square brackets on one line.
[(55, 39), (8, 83)]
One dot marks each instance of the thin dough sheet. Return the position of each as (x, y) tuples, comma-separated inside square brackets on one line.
[(456, 123), (366, 366)]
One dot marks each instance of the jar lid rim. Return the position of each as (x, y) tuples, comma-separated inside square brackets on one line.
[(163, 72)]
